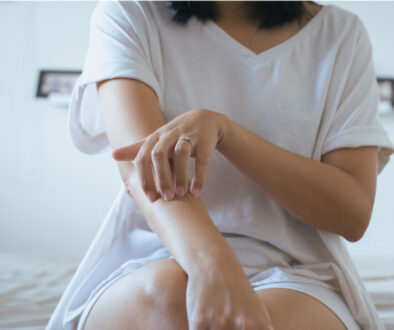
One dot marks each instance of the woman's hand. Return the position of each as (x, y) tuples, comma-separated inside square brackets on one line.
[(223, 299), (169, 155)]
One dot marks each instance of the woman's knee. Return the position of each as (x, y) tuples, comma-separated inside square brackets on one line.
[(162, 284), (152, 292)]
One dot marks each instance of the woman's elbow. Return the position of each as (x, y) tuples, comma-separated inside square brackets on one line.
[(359, 224)]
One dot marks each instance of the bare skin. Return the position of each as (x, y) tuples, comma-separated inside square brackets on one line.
[(156, 295), (242, 30), (153, 297)]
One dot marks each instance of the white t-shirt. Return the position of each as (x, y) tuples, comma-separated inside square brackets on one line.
[(311, 94)]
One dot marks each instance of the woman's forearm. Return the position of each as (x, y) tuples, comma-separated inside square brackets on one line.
[(319, 194), (183, 225), (131, 112)]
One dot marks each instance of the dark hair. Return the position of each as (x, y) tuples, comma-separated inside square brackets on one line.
[(268, 13)]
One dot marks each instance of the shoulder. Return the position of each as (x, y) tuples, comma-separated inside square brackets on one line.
[(346, 24), (126, 12), (125, 17), (144, 9), (341, 16), (339, 34)]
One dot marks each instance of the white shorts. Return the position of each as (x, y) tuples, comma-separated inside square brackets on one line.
[(328, 297)]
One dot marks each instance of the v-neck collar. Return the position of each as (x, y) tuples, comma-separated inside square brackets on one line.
[(212, 28)]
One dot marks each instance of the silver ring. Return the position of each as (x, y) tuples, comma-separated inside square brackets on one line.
[(186, 138)]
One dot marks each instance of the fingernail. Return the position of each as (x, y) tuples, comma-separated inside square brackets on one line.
[(168, 195), (151, 196), (195, 192), (180, 191)]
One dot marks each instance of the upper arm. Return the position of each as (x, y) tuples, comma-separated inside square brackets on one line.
[(130, 110), (360, 163), (354, 121)]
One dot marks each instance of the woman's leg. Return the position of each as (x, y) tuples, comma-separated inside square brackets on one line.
[(290, 309), (152, 297)]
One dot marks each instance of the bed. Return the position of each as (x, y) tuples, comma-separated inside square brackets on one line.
[(30, 287)]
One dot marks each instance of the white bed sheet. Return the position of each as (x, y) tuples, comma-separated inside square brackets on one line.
[(30, 287), (378, 276), (382, 292)]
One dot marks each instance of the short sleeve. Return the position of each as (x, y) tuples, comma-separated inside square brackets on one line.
[(120, 45), (356, 121)]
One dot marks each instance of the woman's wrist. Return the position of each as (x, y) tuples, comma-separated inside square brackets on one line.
[(223, 123), (220, 258)]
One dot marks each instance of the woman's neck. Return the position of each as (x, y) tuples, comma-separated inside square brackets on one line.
[(233, 11), (236, 12), (233, 20)]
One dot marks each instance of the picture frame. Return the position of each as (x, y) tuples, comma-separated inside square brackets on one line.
[(386, 89), (56, 81), (386, 95)]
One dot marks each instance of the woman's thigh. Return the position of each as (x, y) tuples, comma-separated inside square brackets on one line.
[(160, 286), (129, 302), (290, 309)]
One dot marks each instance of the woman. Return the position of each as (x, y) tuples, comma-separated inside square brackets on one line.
[(277, 104)]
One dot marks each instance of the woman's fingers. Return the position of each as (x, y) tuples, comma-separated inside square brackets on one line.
[(202, 160), (144, 168), (182, 153), (145, 175), (152, 161), (161, 154)]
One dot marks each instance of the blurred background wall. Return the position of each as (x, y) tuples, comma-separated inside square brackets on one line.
[(52, 197)]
